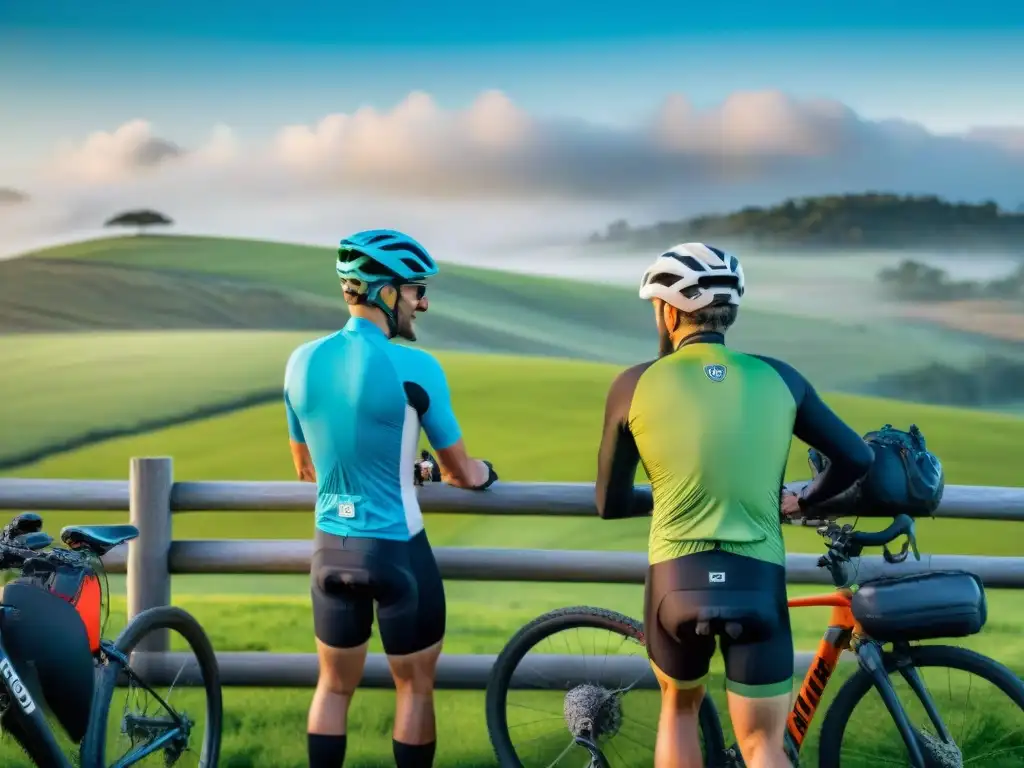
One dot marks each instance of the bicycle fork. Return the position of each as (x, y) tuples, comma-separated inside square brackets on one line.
[(597, 758), (869, 656)]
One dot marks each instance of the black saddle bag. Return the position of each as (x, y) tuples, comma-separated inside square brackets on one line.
[(927, 606)]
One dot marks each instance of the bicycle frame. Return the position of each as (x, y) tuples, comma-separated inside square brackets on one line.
[(844, 633), (116, 657), (841, 628)]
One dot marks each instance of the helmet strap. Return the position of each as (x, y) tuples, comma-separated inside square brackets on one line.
[(386, 299)]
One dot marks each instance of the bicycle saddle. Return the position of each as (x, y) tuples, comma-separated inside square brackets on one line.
[(98, 538)]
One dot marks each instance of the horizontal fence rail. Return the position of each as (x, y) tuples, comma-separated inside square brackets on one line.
[(964, 502), (461, 672), (273, 556), (151, 497)]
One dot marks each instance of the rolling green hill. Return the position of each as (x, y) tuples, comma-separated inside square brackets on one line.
[(55, 295), (480, 310), (124, 334)]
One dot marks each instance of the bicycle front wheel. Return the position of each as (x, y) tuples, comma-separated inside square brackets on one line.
[(160, 696), (984, 727), (538, 707)]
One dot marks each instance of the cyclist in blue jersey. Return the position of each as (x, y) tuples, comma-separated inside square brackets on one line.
[(355, 404)]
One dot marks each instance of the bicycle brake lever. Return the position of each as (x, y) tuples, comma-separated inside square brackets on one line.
[(912, 538)]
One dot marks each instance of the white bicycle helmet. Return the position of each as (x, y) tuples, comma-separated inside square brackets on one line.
[(692, 276)]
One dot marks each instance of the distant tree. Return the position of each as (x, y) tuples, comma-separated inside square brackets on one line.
[(9, 196), (140, 218), (914, 281)]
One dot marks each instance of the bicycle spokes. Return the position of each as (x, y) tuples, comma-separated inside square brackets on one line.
[(958, 719), (574, 699)]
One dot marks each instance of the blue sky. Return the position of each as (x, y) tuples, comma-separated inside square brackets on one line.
[(69, 67)]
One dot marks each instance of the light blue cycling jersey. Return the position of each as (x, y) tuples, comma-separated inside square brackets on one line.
[(357, 401)]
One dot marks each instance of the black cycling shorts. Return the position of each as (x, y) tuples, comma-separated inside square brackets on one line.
[(750, 593), (401, 577)]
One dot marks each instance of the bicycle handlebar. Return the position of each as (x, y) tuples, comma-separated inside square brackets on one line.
[(845, 544), (901, 525)]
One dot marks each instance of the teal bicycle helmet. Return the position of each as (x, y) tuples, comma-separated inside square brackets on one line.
[(374, 258)]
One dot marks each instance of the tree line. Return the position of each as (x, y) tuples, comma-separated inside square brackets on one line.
[(993, 381), (914, 281), (838, 221)]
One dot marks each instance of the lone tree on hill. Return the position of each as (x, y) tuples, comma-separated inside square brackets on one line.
[(10, 196), (141, 218)]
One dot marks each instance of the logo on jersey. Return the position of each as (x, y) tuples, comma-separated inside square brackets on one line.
[(347, 506), (716, 577), (715, 372)]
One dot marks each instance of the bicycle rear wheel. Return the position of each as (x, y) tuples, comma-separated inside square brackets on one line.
[(167, 733), (993, 738), (568, 699)]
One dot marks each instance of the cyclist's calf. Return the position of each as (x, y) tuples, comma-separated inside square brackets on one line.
[(759, 725), (415, 732)]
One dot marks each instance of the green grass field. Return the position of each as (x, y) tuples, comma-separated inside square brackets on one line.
[(59, 389), (538, 420)]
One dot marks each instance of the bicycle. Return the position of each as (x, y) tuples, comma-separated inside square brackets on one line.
[(54, 660), (897, 610)]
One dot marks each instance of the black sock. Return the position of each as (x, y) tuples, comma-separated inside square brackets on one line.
[(413, 755), (326, 751)]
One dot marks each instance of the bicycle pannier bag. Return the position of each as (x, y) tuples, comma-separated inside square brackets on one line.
[(941, 604), (905, 477)]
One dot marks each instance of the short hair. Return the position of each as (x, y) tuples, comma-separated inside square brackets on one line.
[(716, 317), (350, 293)]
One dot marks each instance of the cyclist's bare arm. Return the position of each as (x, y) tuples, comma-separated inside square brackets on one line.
[(432, 400), (297, 443), (303, 462), (617, 459), (816, 424), (458, 469)]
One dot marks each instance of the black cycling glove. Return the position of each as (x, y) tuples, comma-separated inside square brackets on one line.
[(491, 477)]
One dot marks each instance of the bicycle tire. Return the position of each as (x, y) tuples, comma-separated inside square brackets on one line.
[(945, 656), (153, 619), (546, 625)]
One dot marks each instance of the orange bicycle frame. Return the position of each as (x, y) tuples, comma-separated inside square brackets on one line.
[(841, 628)]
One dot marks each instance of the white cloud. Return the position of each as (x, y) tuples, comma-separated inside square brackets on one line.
[(492, 148), (1010, 138), (132, 150), (489, 171)]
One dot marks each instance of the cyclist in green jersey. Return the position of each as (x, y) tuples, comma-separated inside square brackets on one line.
[(713, 429)]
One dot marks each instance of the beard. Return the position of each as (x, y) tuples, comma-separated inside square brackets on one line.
[(404, 326), (665, 346)]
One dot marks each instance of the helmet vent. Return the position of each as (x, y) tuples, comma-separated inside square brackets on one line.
[(688, 261)]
